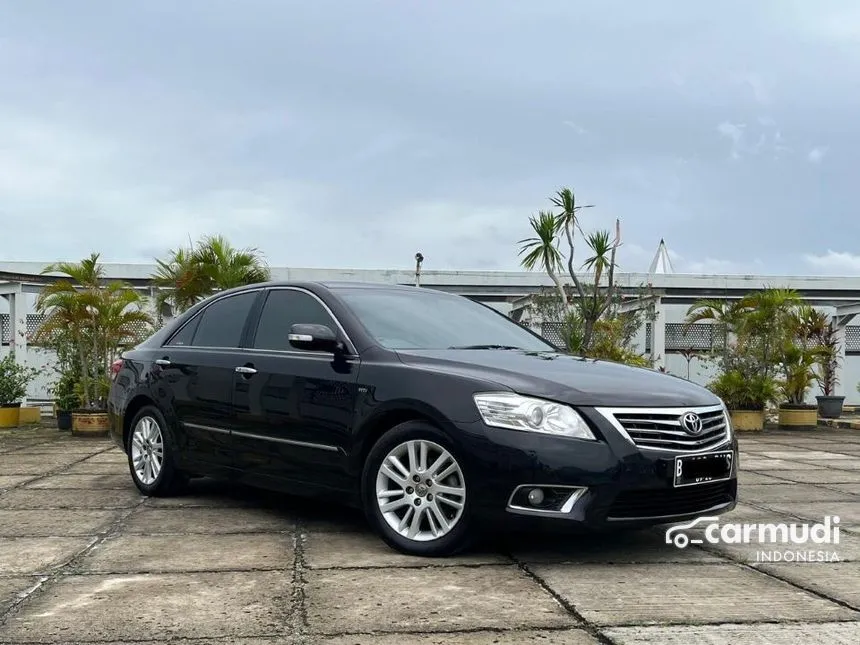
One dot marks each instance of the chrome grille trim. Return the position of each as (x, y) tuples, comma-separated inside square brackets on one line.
[(660, 428)]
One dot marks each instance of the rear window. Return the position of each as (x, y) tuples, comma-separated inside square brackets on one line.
[(221, 323)]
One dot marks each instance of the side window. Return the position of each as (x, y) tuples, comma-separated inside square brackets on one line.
[(186, 334), (283, 309), (222, 322)]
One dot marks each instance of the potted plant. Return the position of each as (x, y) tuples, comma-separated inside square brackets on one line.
[(66, 399), (798, 376), (745, 395), (14, 379), (829, 405), (97, 318), (800, 352)]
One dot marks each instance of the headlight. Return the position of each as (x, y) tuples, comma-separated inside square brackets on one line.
[(516, 412), (729, 429)]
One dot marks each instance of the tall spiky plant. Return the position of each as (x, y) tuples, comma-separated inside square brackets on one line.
[(542, 249)]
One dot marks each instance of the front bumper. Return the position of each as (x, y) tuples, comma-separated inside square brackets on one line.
[(624, 486)]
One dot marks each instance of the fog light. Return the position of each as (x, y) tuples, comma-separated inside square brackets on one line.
[(536, 497)]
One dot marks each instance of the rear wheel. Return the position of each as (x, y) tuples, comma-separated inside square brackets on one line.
[(415, 491), (150, 457)]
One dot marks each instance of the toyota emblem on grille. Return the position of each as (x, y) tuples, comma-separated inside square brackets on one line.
[(691, 422)]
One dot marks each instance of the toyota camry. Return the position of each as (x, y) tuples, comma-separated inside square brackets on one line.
[(433, 413)]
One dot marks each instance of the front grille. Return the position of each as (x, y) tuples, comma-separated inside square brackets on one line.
[(661, 502), (661, 429)]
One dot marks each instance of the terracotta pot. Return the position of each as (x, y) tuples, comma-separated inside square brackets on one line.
[(747, 420), (90, 424), (10, 415), (798, 417)]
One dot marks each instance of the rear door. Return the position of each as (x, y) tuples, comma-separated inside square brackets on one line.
[(294, 413), (198, 367)]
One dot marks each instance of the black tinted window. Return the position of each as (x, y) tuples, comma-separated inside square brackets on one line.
[(427, 319), (223, 321), (186, 334), (283, 309)]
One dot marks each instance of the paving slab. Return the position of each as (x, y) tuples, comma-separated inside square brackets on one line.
[(852, 489), (746, 477), (756, 634), (11, 590), (13, 464), (842, 464), (790, 492), (765, 464), (59, 523), (840, 581), (8, 481), (818, 476), (690, 593), (155, 606), (207, 492), (525, 637), (101, 481), (848, 511), (34, 555), (114, 456), (353, 549), (97, 468), (804, 455), (167, 553), (205, 520), (70, 498), (428, 600), (632, 547)]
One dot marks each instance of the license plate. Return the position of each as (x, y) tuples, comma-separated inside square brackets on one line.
[(701, 469)]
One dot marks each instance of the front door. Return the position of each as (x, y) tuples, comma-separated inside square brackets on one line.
[(294, 408), (198, 368)]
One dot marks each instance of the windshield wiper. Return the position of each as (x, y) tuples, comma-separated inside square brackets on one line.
[(484, 347)]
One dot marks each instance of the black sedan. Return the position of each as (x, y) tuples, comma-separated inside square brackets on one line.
[(435, 414)]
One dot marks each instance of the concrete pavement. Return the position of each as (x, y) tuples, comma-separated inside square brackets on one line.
[(84, 558)]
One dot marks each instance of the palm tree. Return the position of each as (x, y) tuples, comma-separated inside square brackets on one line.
[(191, 274), (228, 267), (100, 318), (542, 250)]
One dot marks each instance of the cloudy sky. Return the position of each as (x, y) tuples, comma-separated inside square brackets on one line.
[(353, 133)]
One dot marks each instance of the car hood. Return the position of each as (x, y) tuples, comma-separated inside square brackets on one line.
[(562, 377)]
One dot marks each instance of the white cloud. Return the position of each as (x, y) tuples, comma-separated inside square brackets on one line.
[(834, 262), (756, 85), (816, 155), (575, 127), (735, 132)]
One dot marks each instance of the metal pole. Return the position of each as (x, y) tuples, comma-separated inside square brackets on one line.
[(418, 260)]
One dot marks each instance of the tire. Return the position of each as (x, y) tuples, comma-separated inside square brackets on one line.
[(432, 538), (148, 433)]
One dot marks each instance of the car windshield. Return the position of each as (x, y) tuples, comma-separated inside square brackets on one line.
[(426, 319)]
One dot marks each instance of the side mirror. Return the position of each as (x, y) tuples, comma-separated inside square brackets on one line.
[(313, 337)]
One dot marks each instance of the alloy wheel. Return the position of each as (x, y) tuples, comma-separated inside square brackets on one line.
[(147, 450), (420, 490)]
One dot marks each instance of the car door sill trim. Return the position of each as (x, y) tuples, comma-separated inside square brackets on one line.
[(291, 442), (198, 426)]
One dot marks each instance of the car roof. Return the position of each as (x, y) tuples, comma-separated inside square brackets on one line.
[(333, 285)]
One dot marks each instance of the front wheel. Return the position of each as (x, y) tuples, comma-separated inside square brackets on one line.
[(415, 491), (150, 459)]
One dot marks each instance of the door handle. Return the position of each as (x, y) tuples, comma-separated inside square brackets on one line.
[(163, 362), (244, 369)]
